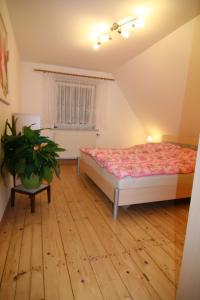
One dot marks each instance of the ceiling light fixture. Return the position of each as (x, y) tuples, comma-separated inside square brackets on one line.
[(123, 27)]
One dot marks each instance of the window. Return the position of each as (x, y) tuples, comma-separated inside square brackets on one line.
[(75, 104)]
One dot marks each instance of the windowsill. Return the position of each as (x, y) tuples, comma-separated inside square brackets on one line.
[(75, 129)]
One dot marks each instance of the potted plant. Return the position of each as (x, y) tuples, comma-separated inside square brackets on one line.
[(29, 155)]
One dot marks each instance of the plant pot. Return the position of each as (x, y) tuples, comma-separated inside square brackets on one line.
[(32, 182)]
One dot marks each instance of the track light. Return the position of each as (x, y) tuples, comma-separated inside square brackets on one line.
[(122, 26)]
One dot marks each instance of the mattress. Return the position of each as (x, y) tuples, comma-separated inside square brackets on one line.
[(138, 182)]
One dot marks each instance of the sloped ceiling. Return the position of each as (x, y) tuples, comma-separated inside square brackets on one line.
[(58, 31), (162, 83)]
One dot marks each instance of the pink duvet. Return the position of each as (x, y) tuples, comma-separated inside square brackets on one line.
[(145, 160)]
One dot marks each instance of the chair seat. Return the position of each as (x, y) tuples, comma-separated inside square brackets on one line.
[(31, 192)]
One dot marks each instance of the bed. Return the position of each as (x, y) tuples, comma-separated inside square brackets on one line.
[(134, 190)]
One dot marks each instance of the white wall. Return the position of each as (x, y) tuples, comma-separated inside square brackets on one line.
[(121, 128), (14, 92), (117, 124), (154, 82), (189, 287)]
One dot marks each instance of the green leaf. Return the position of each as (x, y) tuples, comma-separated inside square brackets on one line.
[(47, 174), (57, 170), (20, 166)]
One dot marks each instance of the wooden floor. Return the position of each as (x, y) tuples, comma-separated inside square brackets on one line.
[(72, 248)]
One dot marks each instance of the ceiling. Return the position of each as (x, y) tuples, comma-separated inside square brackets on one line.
[(59, 31)]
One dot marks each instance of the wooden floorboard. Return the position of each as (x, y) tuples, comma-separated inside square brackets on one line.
[(11, 272), (73, 249)]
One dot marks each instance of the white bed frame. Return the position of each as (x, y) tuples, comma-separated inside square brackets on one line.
[(128, 196)]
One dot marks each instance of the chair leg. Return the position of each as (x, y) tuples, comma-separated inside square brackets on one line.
[(32, 198)]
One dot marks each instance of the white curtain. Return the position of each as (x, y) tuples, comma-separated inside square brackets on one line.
[(70, 100), (76, 99)]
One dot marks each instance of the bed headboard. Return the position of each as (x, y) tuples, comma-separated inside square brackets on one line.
[(179, 139)]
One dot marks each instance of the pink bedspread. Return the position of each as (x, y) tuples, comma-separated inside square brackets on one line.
[(145, 159)]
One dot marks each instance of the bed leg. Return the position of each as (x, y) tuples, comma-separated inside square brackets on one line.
[(78, 166), (115, 204)]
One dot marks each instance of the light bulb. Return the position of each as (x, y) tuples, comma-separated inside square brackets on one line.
[(139, 23), (149, 139), (125, 34), (102, 27), (104, 38), (96, 46)]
